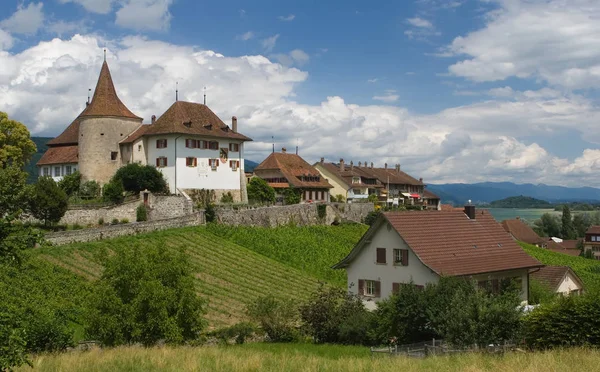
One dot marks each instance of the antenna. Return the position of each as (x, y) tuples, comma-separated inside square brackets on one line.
[(296, 146), (204, 96), (176, 91), (273, 140), (104, 54)]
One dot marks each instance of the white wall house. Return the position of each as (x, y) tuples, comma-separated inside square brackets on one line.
[(57, 171), (561, 280), (419, 247)]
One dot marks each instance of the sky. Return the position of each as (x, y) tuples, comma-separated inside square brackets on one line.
[(453, 90)]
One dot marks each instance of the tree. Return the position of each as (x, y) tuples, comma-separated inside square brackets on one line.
[(135, 178), (292, 195), (259, 191), (547, 225), (145, 295), (567, 229), (14, 240), (13, 191), (13, 352), (90, 189), (48, 202), (581, 222), (113, 192), (277, 318), (373, 198), (70, 183), (16, 147)]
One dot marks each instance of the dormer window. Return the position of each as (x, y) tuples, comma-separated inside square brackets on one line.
[(187, 124), (355, 179), (208, 126)]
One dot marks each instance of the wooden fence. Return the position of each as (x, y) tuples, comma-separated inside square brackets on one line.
[(438, 347)]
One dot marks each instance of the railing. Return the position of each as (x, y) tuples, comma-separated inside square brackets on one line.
[(438, 347)]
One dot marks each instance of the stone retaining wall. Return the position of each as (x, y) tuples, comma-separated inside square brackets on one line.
[(299, 214), (113, 231)]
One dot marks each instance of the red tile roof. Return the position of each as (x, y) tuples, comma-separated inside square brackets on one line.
[(291, 166), (429, 195), (349, 172), (136, 134), (552, 276), (561, 248), (521, 231), (570, 243), (105, 101), (192, 118), (593, 230), (450, 243), (59, 155), (449, 207), (395, 177), (70, 136)]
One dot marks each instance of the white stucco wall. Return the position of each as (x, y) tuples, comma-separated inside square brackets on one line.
[(139, 151), (201, 176), (568, 285), (52, 170), (339, 188)]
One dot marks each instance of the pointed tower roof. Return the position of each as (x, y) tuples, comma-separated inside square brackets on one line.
[(105, 101)]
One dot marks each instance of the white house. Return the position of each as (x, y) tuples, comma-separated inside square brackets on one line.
[(559, 279), (420, 246)]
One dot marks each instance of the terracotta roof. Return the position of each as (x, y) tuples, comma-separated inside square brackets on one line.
[(521, 231), (291, 166), (70, 136), (570, 243), (552, 276), (105, 101), (136, 134), (429, 195), (279, 185), (593, 230), (450, 243), (395, 177), (202, 121), (348, 173), (449, 207), (553, 246), (59, 155)]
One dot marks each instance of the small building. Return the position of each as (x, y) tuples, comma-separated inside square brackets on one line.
[(431, 200), (591, 241), (570, 247), (347, 180), (282, 170), (419, 247), (521, 231), (560, 279)]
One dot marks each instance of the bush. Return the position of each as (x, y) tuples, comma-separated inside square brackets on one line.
[(77, 226), (90, 189), (259, 191), (113, 192), (373, 198), (227, 198), (292, 196), (48, 202), (135, 178), (210, 213), (340, 198), (145, 295), (100, 221), (70, 183), (371, 217), (239, 331), (539, 293), (125, 220), (277, 318), (12, 344), (141, 213), (115, 221), (322, 211)]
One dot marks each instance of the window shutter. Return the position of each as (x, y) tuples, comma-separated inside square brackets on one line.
[(395, 288), (405, 257), (187, 143), (381, 255), (377, 289), (157, 162), (157, 144), (361, 287)]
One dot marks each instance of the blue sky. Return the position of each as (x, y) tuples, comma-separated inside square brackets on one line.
[(457, 90)]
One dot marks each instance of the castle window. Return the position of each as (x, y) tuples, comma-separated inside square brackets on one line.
[(68, 170), (46, 171), (234, 164), (213, 163), (113, 155), (161, 143), (161, 162), (213, 145), (139, 147), (56, 171), (190, 162), (235, 147)]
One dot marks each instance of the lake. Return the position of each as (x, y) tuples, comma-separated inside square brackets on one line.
[(529, 215)]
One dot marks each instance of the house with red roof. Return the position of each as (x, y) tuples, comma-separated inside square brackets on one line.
[(561, 280), (591, 242), (419, 247)]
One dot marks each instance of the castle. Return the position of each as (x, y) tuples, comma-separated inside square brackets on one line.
[(189, 144)]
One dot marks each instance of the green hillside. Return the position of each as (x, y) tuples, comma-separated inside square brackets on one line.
[(229, 276), (31, 169), (312, 249), (588, 270), (520, 202)]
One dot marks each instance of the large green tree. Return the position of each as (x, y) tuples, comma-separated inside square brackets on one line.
[(567, 230), (259, 191), (48, 202), (581, 222), (16, 147), (13, 191), (547, 225), (136, 178)]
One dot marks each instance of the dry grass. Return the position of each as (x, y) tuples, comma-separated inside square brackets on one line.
[(295, 357)]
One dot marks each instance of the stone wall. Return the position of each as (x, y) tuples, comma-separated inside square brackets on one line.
[(299, 214), (172, 206), (113, 231)]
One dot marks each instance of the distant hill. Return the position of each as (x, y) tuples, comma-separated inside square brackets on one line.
[(486, 192), (249, 165), (31, 169), (520, 202)]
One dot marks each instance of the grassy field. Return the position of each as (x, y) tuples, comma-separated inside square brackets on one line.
[(588, 270), (295, 357), (312, 249), (229, 276)]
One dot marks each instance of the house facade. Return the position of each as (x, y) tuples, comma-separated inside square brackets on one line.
[(591, 241), (282, 170), (347, 180), (561, 280), (419, 247), (189, 144)]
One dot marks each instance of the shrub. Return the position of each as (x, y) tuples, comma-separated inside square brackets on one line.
[(340, 198), (210, 213), (77, 226), (227, 198), (539, 293), (239, 331), (125, 220), (70, 183), (12, 344), (277, 318), (371, 217), (100, 221), (202, 197), (322, 211), (115, 221), (135, 178), (90, 189), (113, 192), (292, 196), (141, 213), (373, 198), (48, 202), (332, 198), (259, 191)]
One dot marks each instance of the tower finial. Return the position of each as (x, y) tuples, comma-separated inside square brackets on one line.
[(104, 54), (176, 91), (273, 140), (204, 96)]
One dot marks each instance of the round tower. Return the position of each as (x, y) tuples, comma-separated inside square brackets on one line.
[(104, 123)]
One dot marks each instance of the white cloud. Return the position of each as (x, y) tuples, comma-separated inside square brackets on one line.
[(245, 36), (269, 43), (286, 19), (551, 40), (6, 40), (26, 20), (419, 22), (388, 97), (61, 28), (152, 15), (299, 56), (374, 80), (94, 6), (45, 87)]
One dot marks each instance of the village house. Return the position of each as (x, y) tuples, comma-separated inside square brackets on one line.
[(591, 242), (419, 247), (347, 180), (189, 144), (521, 231), (561, 280)]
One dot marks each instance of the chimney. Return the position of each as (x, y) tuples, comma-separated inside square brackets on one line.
[(153, 119), (366, 164), (351, 164), (322, 160), (398, 168), (518, 218), (470, 211), (385, 166), (283, 150), (342, 166), (421, 179), (371, 165), (234, 124)]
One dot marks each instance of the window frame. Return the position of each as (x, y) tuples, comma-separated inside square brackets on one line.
[(370, 287), (46, 171), (114, 155), (234, 165), (234, 147), (159, 162), (161, 143), (403, 257), (213, 164), (193, 163), (213, 145), (59, 171), (68, 170)]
